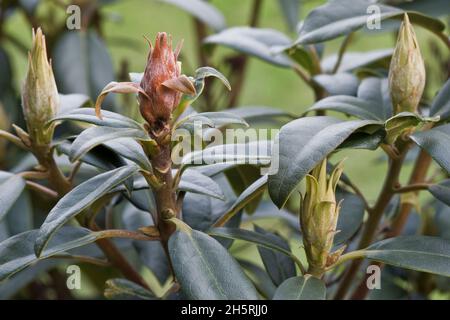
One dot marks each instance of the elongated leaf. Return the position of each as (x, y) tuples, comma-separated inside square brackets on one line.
[(351, 216), (151, 253), (376, 90), (125, 289), (290, 9), (196, 182), (256, 42), (437, 143), (301, 145), (252, 113), (110, 119), (206, 270), (354, 106), (203, 11), (68, 102), (79, 199), (17, 253), (92, 137), (10, 190), (212, 119), (341, 17), (257, 153), (84, 56), (301, 288), (441, 191), (279, 266), (354, 60), (338, 84), (248, 195), (441, 104), (421, 253), (259, 277), (130, 149), (252, 237)]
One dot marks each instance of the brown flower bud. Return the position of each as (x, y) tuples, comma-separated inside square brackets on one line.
[(162, 82), (407, 71), (40, 100)]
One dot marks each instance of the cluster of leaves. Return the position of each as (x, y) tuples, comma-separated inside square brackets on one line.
[(223, 206)]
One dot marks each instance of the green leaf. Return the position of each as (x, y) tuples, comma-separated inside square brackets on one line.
[(110, 119), (93, 136), (211, 119), (437, 143), (206, 270), (131, 150), (196, 182), (257, 153), (80, 198), (247, 196), (376, 90), (17, 253), (279, 266), (125, 289), (420, 253), (260, 43), (68, 102), (441, 191), (259, 277), (338, 84), (351, 216), (83, 56), (301, 145), (342, 17), (353, 106), (255, 113), (10, 190), (441, 104), (252, 237), (290, 10), (206, 72), (355, 60), (396, 125), (301, 288), (203, 11)]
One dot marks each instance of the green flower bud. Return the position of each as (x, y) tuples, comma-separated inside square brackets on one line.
[(318, 217), (407, 71), (40, 100)]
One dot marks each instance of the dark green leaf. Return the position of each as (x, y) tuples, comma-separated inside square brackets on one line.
[(301, 145), (441, 104), (93, 136), (279, 266), (125, 289), (301, 288), (351, 216), (110, 119), (338, 84), (10, 190), (355, 60), (261, 43), (353, 106), (342, 17), (131, 150), (206, 270), (17, 253), (290, 9), (441, 191), (203, 11), (402, 121), (421, 253), (259, 277), (437, 143), (80, 198), (196, 182), (84, 57), (68, 102)]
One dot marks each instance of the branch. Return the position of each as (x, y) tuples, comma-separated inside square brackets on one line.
[(413, 187), (341, 52), (42, 189), (14, 139)]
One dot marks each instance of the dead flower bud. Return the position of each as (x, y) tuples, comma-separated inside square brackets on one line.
[(161, 87), (407, 70)]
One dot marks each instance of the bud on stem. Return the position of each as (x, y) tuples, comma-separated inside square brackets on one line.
[(318, 218), (407, 71), (40, 100)]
